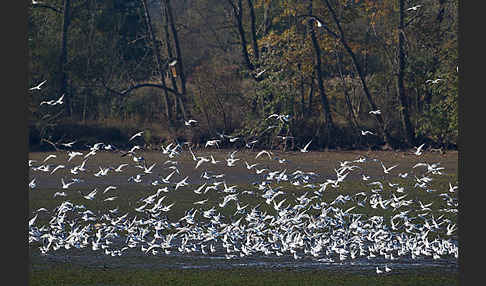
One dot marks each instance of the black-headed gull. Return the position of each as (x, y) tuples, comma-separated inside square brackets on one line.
[(189, 122), (136, 135), (38, 87), (366, 132)]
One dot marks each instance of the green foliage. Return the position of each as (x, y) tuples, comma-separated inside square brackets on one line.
[(440, 121)]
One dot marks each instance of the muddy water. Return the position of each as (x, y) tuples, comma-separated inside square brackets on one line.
[(137, 259), (323, 163)]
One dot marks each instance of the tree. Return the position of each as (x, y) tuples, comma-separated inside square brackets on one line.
[(317, 66), (404, 110)]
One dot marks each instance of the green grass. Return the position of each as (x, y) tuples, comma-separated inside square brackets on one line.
[(72, 275)]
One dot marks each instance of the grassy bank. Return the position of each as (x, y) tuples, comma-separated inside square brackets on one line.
[(72, 275)]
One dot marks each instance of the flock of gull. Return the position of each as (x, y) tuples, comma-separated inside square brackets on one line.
[(276, 222)]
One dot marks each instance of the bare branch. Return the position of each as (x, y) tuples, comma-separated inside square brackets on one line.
[(41, 5), (137, 86)]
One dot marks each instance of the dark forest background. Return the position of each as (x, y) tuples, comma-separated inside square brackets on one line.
[(129, 65)]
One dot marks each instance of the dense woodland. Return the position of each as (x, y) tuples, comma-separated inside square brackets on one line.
[(129, 65)]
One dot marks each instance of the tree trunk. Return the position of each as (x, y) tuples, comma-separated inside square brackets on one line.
[(267, 19), (253, 30), (238, 14), (308, 112), (404, 113), (351, 115), (88, 62), (63, 57), (302, 91), (158, 60), (181, 75), (317, 67), (170, 56), (359, 70)]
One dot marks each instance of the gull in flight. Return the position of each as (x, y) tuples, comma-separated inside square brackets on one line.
[(305, 147), (375, 112), (49, 102), (149, 169), (119, 168), (31, 221), (66, 185), (387, 170), (213, 161), (199, 190), (285, 137), (433, 81), (109, 188), (188, 122), (264, 152), (166, 179), (110, 199), (32, 184), (450, 229), (59, 101), (49, 157), (234, 139), (136, 135), (319, 24), (136, 179), (249, 144), (414, 8), (403, 175), (364, 133), (73, 154), (418, 152), (200, 161), (248, 166), (212, 143), (91, 195), (200, 202), (57, 168), (182, 183), (260, 73), (282, 117), (452, 189), (69, 144), (259, 171), (38, 87), (61, 194)]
